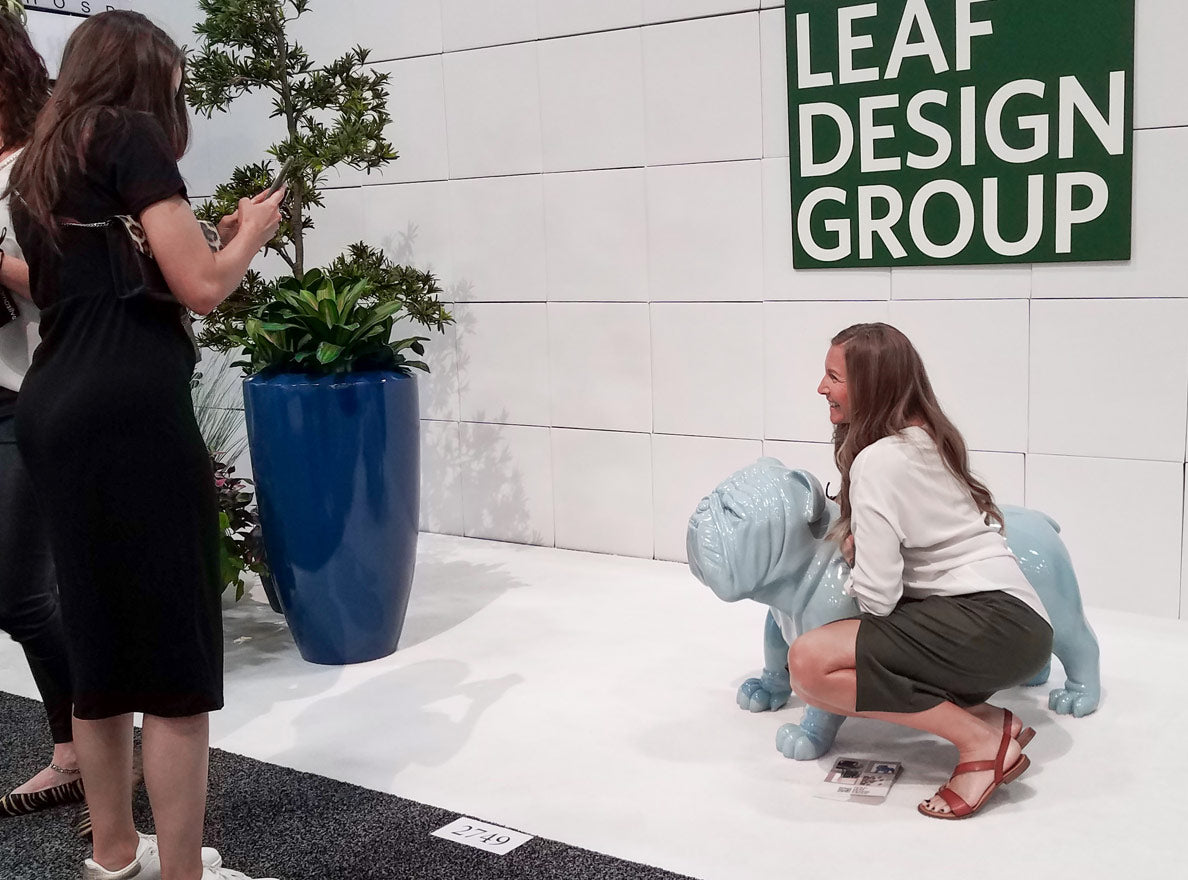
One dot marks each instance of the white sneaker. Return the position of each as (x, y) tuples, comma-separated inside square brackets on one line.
[(147, 865), (227, 874)]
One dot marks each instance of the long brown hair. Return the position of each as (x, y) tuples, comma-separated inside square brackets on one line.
[(24, 83), (113, 61), (889, 390)]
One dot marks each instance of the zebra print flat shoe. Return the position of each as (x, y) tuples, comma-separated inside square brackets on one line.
[(46, 799), (82, 822)]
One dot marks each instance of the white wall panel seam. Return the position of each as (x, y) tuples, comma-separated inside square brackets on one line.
[(1098, 299), (750, 10), (1028, 403), (553, 481), (647, 219), (373, 60), (1183, 514), (643, 166), (445, 109), (1118, 458), (577, 428), (380, 183), (655, 470), (461, 453), (610, 30)]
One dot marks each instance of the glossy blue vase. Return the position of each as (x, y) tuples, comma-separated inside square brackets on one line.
[(337, 464)]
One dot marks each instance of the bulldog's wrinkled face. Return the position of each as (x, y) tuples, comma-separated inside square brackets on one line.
[(742, 535)]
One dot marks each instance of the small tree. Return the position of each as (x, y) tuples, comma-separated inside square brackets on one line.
[(333, 116)]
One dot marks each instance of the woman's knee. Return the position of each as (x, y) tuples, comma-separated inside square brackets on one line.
[(806, 664), (821, 651)]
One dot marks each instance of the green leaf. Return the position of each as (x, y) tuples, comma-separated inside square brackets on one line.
[(328, 309), (328, 353), (308, 301)]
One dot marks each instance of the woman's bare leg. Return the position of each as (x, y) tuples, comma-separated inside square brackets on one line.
[(821, 664), (176, 756), (104, 750), (65, 757), (993, 716)]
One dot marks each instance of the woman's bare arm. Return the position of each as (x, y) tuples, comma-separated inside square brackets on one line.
[(14, 275), (199, 278)]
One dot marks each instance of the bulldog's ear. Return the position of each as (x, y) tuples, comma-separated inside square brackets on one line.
[(815, 506)]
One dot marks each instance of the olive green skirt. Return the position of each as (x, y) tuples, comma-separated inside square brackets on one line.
[(958, 649)]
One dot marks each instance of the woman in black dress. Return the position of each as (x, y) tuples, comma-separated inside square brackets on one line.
[(107, 430)]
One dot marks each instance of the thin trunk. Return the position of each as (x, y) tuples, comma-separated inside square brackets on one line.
[(296, 183)]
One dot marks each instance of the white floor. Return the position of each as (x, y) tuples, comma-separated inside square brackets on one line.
[(590, 699)]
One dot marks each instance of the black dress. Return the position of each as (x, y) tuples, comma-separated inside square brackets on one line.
[(106, 426)]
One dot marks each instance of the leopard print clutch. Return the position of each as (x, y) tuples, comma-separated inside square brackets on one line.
[(140, 239)]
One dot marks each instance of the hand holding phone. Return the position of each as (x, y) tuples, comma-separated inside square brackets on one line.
[(281, 176)]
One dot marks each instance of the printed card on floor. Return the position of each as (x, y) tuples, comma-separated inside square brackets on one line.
[(482, 835), (856, 779)]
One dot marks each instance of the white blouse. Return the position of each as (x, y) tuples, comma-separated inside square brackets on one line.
[(918, 533), (17, 338)]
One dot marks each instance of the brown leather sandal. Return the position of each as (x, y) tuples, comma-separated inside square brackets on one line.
[(958, 808)]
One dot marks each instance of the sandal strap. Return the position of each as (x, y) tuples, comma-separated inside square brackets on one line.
[(973, 767), (999, 767), (956, 802)]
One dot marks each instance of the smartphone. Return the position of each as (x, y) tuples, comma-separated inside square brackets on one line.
[(281, 176)]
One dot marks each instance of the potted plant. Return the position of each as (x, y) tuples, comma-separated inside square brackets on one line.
[(241, 548), (331, 404)]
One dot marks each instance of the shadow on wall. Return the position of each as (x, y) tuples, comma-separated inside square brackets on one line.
[(479, 469), (495, 500), (438, 389), (401, 247)]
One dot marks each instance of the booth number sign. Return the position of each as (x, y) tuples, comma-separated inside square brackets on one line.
[(960, 132)]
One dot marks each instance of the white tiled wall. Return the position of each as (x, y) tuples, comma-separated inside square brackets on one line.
[(705, 232), (701, 89), (602, 186), (591, 101), (602, 491)]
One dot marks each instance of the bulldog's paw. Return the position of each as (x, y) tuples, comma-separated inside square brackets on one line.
[(1073, 699), (795, 742), (757, 695)]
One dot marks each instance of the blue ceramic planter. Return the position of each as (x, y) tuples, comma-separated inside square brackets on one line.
[(336, 461)]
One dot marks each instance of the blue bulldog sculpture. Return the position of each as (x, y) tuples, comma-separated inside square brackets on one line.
[(761, 535)]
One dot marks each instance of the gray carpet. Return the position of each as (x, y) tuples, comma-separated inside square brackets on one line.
[(270, 821)]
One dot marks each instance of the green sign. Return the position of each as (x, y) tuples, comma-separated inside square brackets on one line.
[(960, 132)]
